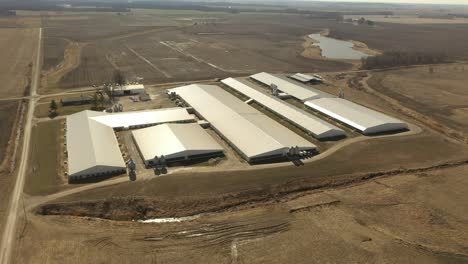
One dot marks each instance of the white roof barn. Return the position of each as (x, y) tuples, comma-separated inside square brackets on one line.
[(251, 132), (128, 89), (175, 142), (144, 118), (296, 90), (92, 147), (306, 121), (305, 78), (359, 117)]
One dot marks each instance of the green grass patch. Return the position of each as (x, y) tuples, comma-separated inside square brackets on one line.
[(43, 176)]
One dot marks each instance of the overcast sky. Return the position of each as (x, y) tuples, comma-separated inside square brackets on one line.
[(409, 1)]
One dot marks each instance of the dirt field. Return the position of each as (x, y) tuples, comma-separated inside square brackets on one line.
[(183, 47), (412, 20), (438, 92), (386, 219), (443, 38), (55, 52), (172, 49), (17, 49)]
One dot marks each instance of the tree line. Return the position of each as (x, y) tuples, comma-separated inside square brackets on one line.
[(401, 58)]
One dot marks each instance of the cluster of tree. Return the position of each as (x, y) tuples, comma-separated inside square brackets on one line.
[(370, 13), (99, 102), (399, 58), (126, 6), (6, 12), (53, 109)]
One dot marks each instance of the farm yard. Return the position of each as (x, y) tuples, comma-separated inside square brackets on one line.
[(359, 198)]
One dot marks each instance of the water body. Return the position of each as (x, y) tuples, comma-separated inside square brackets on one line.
[(337, 49)]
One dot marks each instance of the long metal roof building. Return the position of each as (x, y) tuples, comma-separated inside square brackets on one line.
[(254, 135), (175, 142), (305, 78), (92, 147), (359, 117), (296, 90), (144, 118), (306, 121)]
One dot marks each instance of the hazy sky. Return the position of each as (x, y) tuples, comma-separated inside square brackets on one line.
[(465, 2)]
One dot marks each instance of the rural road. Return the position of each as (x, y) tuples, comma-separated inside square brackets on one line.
[(10, 225)]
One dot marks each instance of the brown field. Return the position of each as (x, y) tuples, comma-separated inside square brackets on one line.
[(8, 115), (17, 49), (438, 92), (411, 19), (386, 219), (183, 47), (176, 51), (55, 52)]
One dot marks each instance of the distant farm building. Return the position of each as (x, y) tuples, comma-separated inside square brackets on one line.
[(128, 89), (175, 143), (305, 78), (255, 136), (366, 120), (82, 100), (296, 90)]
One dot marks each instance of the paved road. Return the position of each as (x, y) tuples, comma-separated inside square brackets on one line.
[(12, 219)]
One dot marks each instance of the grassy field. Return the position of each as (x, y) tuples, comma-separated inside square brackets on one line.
[(7, 115), (439, 92), (46, 140), (42, 110)]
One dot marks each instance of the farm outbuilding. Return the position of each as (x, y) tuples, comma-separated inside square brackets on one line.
[(82, 100), (296, 90), (175, 143), (128, 89), (92, 147), (306, 78), (255, 136), (300, 118), (366, 120)]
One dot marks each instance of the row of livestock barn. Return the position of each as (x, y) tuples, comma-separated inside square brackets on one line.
[(173, 135)]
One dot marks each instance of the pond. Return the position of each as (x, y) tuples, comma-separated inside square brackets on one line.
[(337, 49)]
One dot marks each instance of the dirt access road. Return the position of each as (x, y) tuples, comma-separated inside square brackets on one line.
[(10, 226)]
